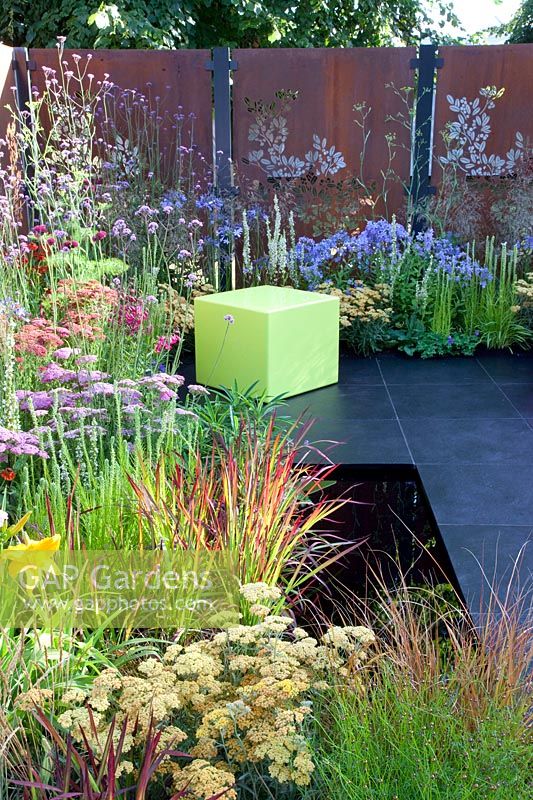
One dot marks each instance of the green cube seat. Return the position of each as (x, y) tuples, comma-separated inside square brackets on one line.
[(283, 339)]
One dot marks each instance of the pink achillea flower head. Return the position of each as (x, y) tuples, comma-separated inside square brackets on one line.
[(89, 359), (100, 387), (66, 352), (19, 443), (86, 376), (195, 388), (184, 412), (53, 372), (39, 401), (166, 394)]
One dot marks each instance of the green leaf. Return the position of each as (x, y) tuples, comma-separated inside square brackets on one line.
[(100, 19)]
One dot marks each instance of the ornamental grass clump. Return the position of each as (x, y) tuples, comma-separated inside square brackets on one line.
[(238, 703), (255, 498), (499, 318), (448, 708), (88, 773)]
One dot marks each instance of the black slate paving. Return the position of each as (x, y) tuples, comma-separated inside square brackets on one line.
[(486, 556), (508, 369), (467, 425), (520, 395), (352, 443), (451, 401), (397, 369), (485, 494), (469, 441), (345, 402), (359, 371)]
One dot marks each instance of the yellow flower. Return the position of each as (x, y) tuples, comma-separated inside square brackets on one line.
[(239, 697), (50, 544), (31, 554)]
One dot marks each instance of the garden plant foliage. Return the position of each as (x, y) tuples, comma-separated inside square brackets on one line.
[(106, 444)]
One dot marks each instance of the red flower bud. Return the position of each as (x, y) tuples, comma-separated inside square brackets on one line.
[(8, 474)]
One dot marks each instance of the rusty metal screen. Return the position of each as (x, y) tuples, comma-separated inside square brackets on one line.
[(6, 82), (174, 82), (327, 130), (485, 132), (327, 125)]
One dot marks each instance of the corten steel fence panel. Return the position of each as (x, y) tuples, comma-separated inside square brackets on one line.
[(169, 79), (494, 134), (7, 80), (14, 92), (309, 143)]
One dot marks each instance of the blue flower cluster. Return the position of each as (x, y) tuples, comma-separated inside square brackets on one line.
[(379, 237), (210, 202), (382, 239), (451, 258)]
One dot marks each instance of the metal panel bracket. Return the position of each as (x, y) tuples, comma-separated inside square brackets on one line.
[(426, 64)]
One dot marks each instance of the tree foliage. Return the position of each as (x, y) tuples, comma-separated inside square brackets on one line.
[(521, 25), (208, 23)]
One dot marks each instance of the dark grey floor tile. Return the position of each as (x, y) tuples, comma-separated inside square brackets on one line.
[(357, 371), (487, 494), (359, 442), (404, 370), (491, 561), (344, 402), (509, 368), (451, 401), (469, 441), (520, 395)]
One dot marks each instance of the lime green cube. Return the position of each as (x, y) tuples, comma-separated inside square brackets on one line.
[(284, 340)]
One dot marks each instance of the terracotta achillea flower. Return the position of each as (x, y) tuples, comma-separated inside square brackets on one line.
[(84, 305), (8, 474), (39, 336)]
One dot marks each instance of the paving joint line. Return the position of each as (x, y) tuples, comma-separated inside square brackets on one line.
[(396, 414), (526, 420)]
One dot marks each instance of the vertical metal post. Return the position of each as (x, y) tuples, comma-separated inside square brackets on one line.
[(420, 187), (21, 64), (222, 66)]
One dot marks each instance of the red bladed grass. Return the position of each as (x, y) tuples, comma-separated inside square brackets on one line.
[(86, 773), (258, 500)]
